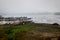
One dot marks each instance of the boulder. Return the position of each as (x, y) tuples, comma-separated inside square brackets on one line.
[(55, 24)]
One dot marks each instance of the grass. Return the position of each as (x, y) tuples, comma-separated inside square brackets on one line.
[(12, 30)]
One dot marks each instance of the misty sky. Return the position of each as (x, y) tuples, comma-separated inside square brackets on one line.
[(29, 6)]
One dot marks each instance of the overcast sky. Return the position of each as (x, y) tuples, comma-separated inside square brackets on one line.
[(29, 6)]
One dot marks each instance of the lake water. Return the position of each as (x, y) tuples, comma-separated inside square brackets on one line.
[(44, 18)]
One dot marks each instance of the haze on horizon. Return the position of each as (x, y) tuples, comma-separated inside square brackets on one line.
[(13, 7)]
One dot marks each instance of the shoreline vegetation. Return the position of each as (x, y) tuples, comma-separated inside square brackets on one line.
[(30, 31)]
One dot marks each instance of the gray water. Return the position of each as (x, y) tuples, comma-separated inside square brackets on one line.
[(43, 18), (46, 19)]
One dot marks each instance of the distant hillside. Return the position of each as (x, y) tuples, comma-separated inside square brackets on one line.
[(57, 13)]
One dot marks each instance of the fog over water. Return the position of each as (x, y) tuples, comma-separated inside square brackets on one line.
[(32, 8)]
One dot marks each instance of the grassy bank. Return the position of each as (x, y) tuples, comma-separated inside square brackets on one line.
[(9, 32)]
